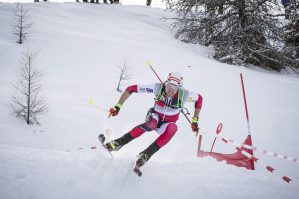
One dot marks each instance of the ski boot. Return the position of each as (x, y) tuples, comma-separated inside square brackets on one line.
[(142, 159), (102, 139), (113, 145), (116, 144)]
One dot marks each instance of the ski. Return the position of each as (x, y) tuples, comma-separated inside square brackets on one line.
[(137, 169), (102, 138)]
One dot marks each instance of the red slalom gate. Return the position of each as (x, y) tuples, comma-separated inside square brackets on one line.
[(244, 157), (237, 159)]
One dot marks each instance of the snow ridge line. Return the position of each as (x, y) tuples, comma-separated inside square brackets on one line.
[(262, 151)]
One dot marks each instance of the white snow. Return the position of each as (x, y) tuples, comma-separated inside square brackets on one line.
[(81, 46)]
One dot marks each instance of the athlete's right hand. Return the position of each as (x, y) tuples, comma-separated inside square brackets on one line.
[(194, 124), (114, 110)]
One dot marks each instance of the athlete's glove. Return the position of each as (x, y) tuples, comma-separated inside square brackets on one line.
[(194, 124), (114, 110)]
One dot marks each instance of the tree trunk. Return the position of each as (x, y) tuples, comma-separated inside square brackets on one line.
[(118, 85), (220, 9), (148, 2), (21, 27), (29, 92), (242, 16)]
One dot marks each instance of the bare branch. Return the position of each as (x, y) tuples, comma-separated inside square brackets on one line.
[(21, 25), (124, 74), (27, 102)]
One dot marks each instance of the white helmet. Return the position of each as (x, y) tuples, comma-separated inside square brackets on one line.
[(175, 78)]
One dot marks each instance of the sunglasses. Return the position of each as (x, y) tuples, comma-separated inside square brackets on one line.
[(172, 86)]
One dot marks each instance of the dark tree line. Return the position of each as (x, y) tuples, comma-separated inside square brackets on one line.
[(241, 31), (148, 2), (104, 1)]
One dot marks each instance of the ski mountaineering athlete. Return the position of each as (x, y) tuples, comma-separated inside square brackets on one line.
[(169, 101)]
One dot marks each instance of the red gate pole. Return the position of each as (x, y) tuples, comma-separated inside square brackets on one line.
[(247, 118)]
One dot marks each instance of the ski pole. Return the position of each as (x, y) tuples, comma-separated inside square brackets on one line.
[(150, 65), (91, 102)]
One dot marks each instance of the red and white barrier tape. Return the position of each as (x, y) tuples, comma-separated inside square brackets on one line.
[(253, 158), (263, 151), (269, 168)]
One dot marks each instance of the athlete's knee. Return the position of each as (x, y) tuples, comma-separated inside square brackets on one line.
[(140, 129), (152, 125), (169, 132), (172, 128)]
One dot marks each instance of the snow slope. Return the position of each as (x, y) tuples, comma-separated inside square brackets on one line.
[(81, 46), (53, 174)]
